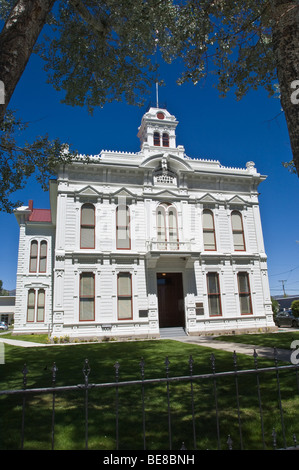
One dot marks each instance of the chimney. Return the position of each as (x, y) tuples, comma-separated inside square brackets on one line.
[(30, 205)]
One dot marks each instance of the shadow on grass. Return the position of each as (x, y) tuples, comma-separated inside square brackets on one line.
[(208, 430)]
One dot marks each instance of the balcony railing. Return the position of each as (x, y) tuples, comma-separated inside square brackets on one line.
[(154, 245)]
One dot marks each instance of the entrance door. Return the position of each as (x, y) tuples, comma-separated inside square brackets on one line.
[(170, 300)]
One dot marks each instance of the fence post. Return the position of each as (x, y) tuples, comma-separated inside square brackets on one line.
[(167, 363), (142, 364), (237, 395), (191, 362), (54, 371), (255, 355), (279, 398), (213, 361), (24, 372), (116, 367), (86, 372)]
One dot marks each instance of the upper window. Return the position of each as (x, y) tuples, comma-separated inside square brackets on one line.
[(161, 227), (43, 256), (157, 142), (238, 231), (87, 297), (123, 239), (244, 294), (38, 257), (167, 227), (33, 256), (165, 139), (87, 239), (209, 238)]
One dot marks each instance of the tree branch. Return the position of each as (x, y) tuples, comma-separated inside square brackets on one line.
[(85, 14)]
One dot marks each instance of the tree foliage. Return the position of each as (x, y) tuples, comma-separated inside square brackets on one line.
[(295, 308), (18, 163), (97, 51), (3, 291), (109, 58)]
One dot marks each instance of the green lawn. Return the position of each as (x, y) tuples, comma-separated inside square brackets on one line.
[(35, 338), (70, 413)]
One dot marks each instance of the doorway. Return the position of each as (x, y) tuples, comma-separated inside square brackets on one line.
[(170, 300)]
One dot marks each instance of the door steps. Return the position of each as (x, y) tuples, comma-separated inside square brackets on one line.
[(172, 332)]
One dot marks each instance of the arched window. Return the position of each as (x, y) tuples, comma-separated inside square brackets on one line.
[(33, 256), (38, 257), (43, 256), (87, 238), (209, 238), (161, 228), (173, 228), (238, 231), (165, 139), (157, 142), (123, 239), (167, 227)]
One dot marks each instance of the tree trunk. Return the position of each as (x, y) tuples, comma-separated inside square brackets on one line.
[(286, 49), (17, 40)]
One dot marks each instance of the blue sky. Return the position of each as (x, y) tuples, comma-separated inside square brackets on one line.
[(209, 127)]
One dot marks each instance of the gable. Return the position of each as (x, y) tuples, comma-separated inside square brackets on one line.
[(168, 195), (88, 191), (207, 199), (237, 200), (123, 192)]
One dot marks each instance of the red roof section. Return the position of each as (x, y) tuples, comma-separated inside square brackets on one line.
[(40, 215)]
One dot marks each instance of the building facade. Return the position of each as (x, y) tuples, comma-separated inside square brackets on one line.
[(137, 242)]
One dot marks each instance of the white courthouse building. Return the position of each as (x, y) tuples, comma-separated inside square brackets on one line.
[(137, 242)]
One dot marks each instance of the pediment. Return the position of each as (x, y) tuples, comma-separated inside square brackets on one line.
[(123, 192), (237, 200), (36, 285), (123, 196), (208, 199), (88, 191), (168, 195)]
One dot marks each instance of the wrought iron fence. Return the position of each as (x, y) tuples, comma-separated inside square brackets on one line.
[(192, 380)]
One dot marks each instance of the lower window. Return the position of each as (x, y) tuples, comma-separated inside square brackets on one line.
[(244, 294), (214, 294), (124, 296), (36, 305), (87, 297)]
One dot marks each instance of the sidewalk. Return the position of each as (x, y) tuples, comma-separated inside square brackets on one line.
[(22, 344), (262, 351)]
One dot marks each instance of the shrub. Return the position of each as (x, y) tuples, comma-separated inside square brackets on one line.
[(295, 308)]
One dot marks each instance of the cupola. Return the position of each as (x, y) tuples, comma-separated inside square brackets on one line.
[(157, 129)]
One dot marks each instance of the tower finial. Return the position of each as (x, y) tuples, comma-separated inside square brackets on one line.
[(156, 59)]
